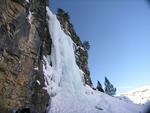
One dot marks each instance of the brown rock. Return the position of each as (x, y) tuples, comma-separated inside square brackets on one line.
[(21, 49)]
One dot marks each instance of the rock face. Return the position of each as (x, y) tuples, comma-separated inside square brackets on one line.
[(23, 37), (81, 52)]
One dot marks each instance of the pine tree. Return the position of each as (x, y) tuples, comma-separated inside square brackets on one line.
[(148, 1), (60, 11), (66, 15), (99, 87), (86, 45), (109, 88)]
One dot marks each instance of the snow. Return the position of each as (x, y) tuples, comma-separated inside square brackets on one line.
[(29, 17), (36, 68), (82, 48), (50, 84), (139, 95), (27, 1), (63, 80), (124, 98), (38, 82)]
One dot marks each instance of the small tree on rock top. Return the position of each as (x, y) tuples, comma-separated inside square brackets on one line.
[(63, 13), (109, 88), (60, 11), (86, 45), (99, 87)]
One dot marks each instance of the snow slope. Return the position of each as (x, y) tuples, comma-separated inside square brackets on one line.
[(63, 80), (139, 95)]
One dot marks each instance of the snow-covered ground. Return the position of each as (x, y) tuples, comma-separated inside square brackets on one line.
[(139, 95), (63, 80)]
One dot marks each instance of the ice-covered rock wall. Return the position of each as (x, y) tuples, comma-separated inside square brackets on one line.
[(81, 53)]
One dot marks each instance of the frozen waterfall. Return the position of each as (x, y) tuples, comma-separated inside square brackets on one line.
[(66, 73), (63, 80)]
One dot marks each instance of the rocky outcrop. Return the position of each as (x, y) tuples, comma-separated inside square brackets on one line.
[(23, 37), (81, 52)]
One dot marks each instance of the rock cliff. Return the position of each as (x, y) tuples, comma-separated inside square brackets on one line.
[(24, 39), (23, 34)]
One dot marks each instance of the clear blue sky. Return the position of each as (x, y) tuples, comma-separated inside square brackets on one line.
[(119, 34)]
